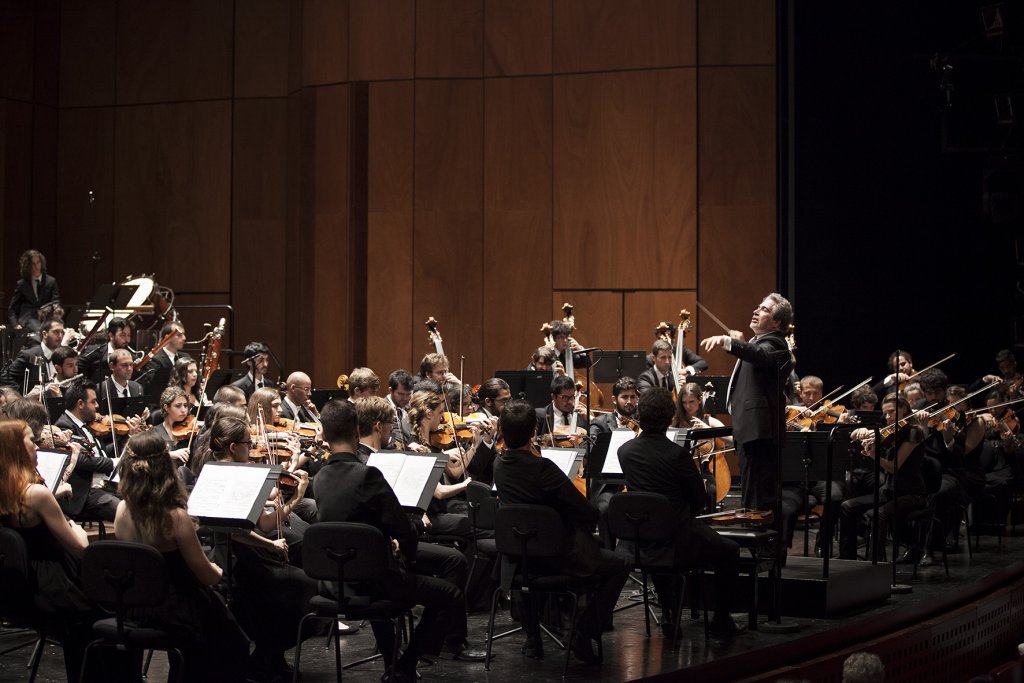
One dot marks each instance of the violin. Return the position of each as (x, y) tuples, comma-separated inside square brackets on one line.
[(302, 429), (181, 430), (101, 425), (448, 431), (741, 517), (1009, 428)]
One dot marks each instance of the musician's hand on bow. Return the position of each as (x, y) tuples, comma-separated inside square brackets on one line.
[(181, 455), (282, 548)]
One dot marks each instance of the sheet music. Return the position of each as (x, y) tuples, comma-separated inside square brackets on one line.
[(406, 474), (563, 457), (672, 433), (51, 466), (226, 492), (611, 461)]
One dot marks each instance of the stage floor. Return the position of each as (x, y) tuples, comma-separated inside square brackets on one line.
[(628, 654)]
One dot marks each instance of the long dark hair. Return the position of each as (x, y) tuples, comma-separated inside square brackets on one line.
[(149, 485), (25, 263)]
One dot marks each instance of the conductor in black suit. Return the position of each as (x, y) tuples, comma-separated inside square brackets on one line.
[(755, 397), (653, 464), (33, 290)]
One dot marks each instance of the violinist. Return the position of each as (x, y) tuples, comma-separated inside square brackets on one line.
[(903, 454), (653, 464), (811, 390), (230, 395), (65, 366), (297, 404), (256, 356), (901, 367), (87, 502), (494, 394), (864, 400), (24, 371), (376, 418), (174, 406), (435, 366), (362, 382), (625, 397), (271, 593), (399, 393), (561, 335), (157, 371), (185, 374), (93, 360), (557, 415), (269, 401), (913, 393), (1012, 381)]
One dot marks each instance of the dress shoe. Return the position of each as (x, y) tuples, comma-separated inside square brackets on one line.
[(912, 556), (725, 628), (463, 652), (396, 674), (583, 650), (927, 560), (347, 629)]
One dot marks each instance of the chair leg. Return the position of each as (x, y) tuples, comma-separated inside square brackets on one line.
[(337, 648), (490, 630), (37, 655), (677, 623), (298, 646), (175, 664), (145, 664), (572, 633), (85, 659), (647, 605)]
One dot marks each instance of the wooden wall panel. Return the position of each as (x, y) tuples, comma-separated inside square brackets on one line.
[(331, 307), (17, 45), (173, 51), (16, 200), (44, 177), (87, 45), (517, 218), (625, 180), (601, 35), (448, 239), (324, 41), (262, 29), (391, 330), (737, 196), (46, 52), (517, 37), (644, 310), (449, 38), (259, 274), (173, 179), (598, 318), (737, 32), (382, 39), (85, 162)]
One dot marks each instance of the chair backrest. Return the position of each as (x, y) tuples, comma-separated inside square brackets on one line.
[(16, 589), (529, 531), (344, 551), (118, 575), (483, 506), (639, 516)]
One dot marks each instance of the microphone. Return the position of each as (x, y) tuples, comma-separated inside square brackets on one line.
[(146, 373)]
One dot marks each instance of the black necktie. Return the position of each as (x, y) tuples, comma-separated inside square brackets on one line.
[(664, 381), (565, 417)]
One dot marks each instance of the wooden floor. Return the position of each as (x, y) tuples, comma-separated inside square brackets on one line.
[(629, 655)]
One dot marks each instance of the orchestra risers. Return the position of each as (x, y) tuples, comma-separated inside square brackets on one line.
[(851, 584)]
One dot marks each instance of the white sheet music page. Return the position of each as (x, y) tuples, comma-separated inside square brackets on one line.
[(413, 479), (389, 464), (671, 433), (611, 461), (563, 457), (226, 492), (50, 465)]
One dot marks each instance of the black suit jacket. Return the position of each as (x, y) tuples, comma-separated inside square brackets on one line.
[(346, 490), (288, 413), (157, 372), (87, 465), (756, 386), (546, 417), (689, 358), (247, 385), (107, 386), (603, 423), (649, 378), (24, 361), (25, 305)]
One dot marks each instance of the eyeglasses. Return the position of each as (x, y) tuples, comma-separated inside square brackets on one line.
[(247, 444)]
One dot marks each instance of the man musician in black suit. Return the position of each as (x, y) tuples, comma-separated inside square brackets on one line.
[(119, 383), (559, 412), (92, 361), (34, 290), (52, 332), (755, 396), (157, 371), (256, 356), (87, 502)]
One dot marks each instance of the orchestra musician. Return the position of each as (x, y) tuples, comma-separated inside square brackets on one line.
[(92, 361), (558, 414), (901, 367), (185, 374), (348, 491), (903, 455), (87, 502), (545, 359), (522, 477), (754, 397), (257, 356), (174, 406), (653, 464), (35, 289), (25, 366), (660, 372), (157, 371), (362, 382), (435, 366), (297, 404), (1009, 375), (625, 397), (65, 366), (399, 393), (119, 383), (692, 364), (494, 394)]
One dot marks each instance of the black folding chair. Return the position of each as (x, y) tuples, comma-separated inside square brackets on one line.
[(121, 577), (648, 518), (483, 507), (17, 596), (349, 554), (529, 535)]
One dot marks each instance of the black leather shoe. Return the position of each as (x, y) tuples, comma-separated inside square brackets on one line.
[(583, 650), (927, 560), (397, 675), (463, 652), (726, 628), (533, 649), (910, 557)]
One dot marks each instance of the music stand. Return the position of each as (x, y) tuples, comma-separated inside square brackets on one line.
[(533, 385), (55, 407), (219, 378), (716, 405), (610, 366), (320, 397)]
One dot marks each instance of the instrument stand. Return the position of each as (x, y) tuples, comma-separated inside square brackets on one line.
[(896, 587)]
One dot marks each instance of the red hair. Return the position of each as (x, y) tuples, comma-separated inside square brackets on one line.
[(17, 470)]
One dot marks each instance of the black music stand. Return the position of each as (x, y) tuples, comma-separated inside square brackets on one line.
[(610, 366), (219, 378), (533, 385), (320, 397), (715, 405)]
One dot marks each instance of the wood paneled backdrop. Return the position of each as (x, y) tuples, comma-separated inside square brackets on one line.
[(339, 170)]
